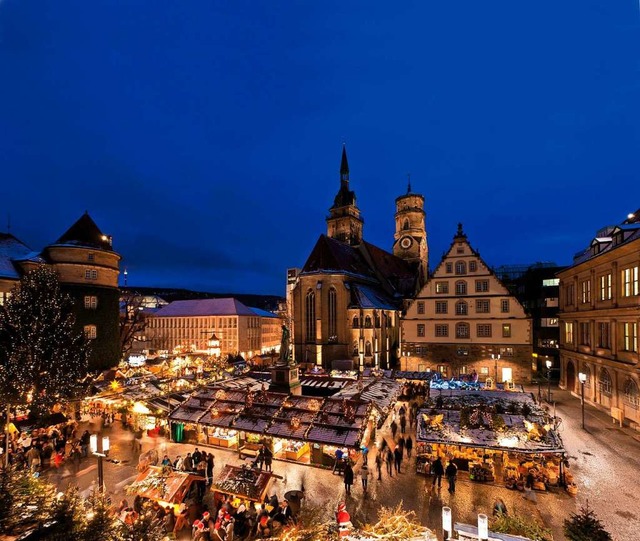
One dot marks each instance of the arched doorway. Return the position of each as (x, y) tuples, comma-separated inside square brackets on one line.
[(571, 376)]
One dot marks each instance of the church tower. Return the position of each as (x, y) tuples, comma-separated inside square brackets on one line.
[(410, 239), (344, 222)]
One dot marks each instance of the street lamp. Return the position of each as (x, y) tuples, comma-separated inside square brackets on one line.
[(93, 444), (549, 363), (446, 522), (483, 527), (583, 379)]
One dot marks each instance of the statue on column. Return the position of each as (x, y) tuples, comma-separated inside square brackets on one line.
[(284, 346)]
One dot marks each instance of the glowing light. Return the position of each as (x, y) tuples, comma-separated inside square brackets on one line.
[(140, 409), (511, 441)]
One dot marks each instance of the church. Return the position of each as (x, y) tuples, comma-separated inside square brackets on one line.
[(347, 300)]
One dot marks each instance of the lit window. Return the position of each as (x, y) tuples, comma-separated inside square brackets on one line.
[(506, 330), (548, 282), (90, 302), (585, 291), (442, 287), (568, 333), (90, 332), (630, 336), (605, 287), (506, 352), (630, 282)]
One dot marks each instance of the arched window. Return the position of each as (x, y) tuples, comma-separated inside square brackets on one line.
[(356, 322), (461, 267), (631, 394), (367, 322), (90, 332), (462, 330), (461, 287), (405, 225), (310, 316), (376, 317), (333, 314), (461, 308), (367, 349), (355, 348), (605, 382)]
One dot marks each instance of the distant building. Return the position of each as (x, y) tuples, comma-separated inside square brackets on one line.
[(464, 320), (599, 320), (88, 270), (184, 326), (347, 299)]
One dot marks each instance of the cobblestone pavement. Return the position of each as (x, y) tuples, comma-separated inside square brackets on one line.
[(604, 461)]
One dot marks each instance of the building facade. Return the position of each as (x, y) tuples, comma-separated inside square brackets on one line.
[(347, 299), (464, 320), (599, 320), (88, 270), (188, 326)]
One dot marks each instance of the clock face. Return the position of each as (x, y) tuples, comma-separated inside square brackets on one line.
[(405, 242)]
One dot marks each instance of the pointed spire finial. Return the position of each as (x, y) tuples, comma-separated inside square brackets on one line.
[(344, 164), (408, 183)]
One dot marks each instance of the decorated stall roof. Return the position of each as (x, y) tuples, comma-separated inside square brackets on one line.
[(162, 484), (382, 392), (288, 429), (246, 483), (332, 435)]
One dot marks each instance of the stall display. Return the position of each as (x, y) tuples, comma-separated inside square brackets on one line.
[(222, 437), (481, 472), (244, 482), (295, 450), (163, 485)]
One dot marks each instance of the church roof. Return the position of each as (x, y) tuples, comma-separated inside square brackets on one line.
[(85, 233), (366, 297), (11, 250), (332, 255), (205, 307)]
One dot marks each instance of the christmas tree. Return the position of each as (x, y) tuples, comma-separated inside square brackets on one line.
[(585, 526)]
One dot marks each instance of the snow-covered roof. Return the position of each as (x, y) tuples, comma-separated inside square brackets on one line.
[(205, 307), (11, 249)]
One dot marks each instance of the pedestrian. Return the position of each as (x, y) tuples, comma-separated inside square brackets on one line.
[(379, 465), (401, 443), (210, 466), (178, 465), (84, 443), (390, 462), (365, 454), (394, 429), (438, 471), (397, 454), (364, 475), (408, 446), (336, 464), (403, 424), (166, 461), (348, 477), (268, 458), (260, 458), (451, 472), (187, 465), (196, 457)]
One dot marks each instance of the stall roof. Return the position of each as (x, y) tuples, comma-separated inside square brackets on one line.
[(171, 487), (244, 482), (382, 392), (283, 428), (334, 436)]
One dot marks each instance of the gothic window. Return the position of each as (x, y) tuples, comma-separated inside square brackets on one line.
[(367, 322), (356, 322), (310, 317), (367, 349), (355, 348), (333, 313)]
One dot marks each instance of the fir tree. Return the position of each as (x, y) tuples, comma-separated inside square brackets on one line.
[(101, 523), (43, 358), (585, 526)]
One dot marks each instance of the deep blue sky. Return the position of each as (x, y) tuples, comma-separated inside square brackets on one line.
[(205, 136)]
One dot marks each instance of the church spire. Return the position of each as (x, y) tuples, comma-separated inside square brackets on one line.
[(344, 165), (408, 183)]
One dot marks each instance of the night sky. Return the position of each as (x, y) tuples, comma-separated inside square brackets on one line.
[(205, 136)]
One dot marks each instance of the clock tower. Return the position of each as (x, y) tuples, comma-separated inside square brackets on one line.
[(410, 239)]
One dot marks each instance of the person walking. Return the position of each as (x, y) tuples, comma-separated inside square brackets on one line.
[(438, 471), (260, 458), (397, 454), (401, 444), (451, 472), (348, 477), (408, 446), (379, 465), (268, 458), (188, 463), (364, 475), (390, 462), (394, 429), (365, 454), (403, 424), (210, 466)]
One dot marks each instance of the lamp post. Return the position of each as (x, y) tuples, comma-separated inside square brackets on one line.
[(483, 527), (100, 454), (446, 522), (549, 363), (583, 379)]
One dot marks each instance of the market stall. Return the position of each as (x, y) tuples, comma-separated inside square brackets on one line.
[(164, 485), (245, 483), (496, 436)]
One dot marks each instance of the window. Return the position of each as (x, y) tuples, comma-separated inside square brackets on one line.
[(504, 306), (549, 282), (570, 294), (90, 274), (460, 250), (367, 322), (449, 267), (91, 257), (605, 287), (367, 349), (547, 343), (461, 308), (442, 330), (631, 395), (420, 307), (461, 267), (442, 287), (484, 370), (310, 316), (482, 285), (90, 302), (90, 332), (568, 332), (441, 307), (506, 352), (354, 350), (630, 336), (506, 330), (603, 335), (630, 282), (585, 333), (473, 266), (356, 322), (585, 291), (482, 306), (461, 288), (462, 330), (421, 329), (483, 330), (605, 382), (333, 314), (405, 225)]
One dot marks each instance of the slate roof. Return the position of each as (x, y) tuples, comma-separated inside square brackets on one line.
[(205, 307), (85, 233), (11, 249)]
